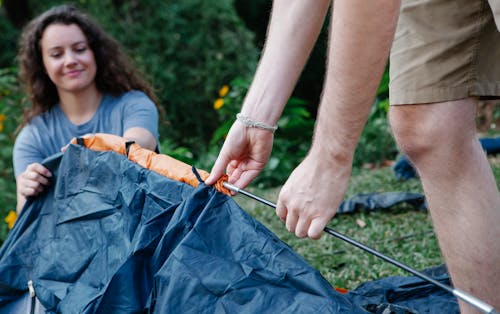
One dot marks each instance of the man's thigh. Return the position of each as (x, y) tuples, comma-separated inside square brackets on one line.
[(444, 50)]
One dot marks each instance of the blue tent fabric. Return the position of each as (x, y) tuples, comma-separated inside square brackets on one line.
[(400, 294), (386, 200), (491, 145), (112, 237), (403, 168)]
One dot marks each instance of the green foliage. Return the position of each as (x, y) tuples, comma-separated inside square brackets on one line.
[(8, 36), (227, 106), (10, 114), (188, 48), (376, 143)]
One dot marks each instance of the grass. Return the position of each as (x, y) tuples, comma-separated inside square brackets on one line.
[(402, 233)]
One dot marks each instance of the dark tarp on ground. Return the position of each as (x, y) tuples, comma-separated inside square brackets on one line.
[(112, 237), (386, 200), (405, 295)]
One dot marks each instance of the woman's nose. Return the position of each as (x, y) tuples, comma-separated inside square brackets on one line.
[(69, 59)]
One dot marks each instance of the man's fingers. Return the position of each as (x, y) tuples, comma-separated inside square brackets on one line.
[(281, 211), (301, 230), (316, 228), (217, 170), (243, 178), (291, 220)]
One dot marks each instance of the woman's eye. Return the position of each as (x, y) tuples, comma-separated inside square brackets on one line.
[(56, 55), (81, 49)]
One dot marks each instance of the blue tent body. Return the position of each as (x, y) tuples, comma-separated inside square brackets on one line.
[(109, 236)]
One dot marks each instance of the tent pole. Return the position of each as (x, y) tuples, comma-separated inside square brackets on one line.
[(481, 305)]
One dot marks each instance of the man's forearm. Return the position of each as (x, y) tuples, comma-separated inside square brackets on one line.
[(293, 30), (361, 37)]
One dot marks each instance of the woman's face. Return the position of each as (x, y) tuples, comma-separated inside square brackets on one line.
[(67, 58)]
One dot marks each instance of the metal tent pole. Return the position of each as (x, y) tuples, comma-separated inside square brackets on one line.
[(481, 305)]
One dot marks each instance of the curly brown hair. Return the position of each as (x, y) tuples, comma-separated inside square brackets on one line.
[(115, 71)]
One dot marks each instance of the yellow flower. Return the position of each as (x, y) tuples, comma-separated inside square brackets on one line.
[(218, 103), (11, 219), (223, 91), (2, 118)]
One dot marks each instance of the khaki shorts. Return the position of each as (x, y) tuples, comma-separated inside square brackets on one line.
[(445, 50)]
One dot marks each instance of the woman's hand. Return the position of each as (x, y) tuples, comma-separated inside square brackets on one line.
[(31, 183)]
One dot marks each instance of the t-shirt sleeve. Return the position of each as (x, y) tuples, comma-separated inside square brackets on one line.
[(26, 151), (140, 111)]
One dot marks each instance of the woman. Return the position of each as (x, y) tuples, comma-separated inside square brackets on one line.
[(79, 82)]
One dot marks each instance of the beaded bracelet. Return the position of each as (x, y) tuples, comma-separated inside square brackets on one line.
[(247, 121)]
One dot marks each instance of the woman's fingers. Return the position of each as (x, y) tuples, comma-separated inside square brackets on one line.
[(33, 181)]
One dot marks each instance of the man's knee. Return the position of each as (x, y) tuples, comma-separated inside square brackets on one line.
[(421, 130), (413, 136)]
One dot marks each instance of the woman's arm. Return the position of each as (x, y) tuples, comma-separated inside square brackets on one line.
[(142, 137), (141, 120)]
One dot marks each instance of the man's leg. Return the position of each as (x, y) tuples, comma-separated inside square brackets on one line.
[(440, 140)]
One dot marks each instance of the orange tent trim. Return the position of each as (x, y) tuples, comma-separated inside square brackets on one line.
[(160, 163)]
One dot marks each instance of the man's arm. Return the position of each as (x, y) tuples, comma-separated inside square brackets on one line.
[(359, 47), (292, 32), (361, 37)]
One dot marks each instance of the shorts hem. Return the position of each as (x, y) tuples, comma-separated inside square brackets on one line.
[(431, 95)]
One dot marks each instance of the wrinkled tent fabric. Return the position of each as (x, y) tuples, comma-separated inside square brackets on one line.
[(403, 168), (406, 295), (375, 201), (112, 237)]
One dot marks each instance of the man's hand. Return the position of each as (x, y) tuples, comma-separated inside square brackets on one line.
[(310, 197), (243, 156)]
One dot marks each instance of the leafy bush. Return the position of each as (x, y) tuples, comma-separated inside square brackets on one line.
[(10, 114), (190, 47), (9, 35), (376, 143)]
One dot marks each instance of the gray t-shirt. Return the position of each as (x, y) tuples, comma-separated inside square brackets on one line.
[(51, 130)]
